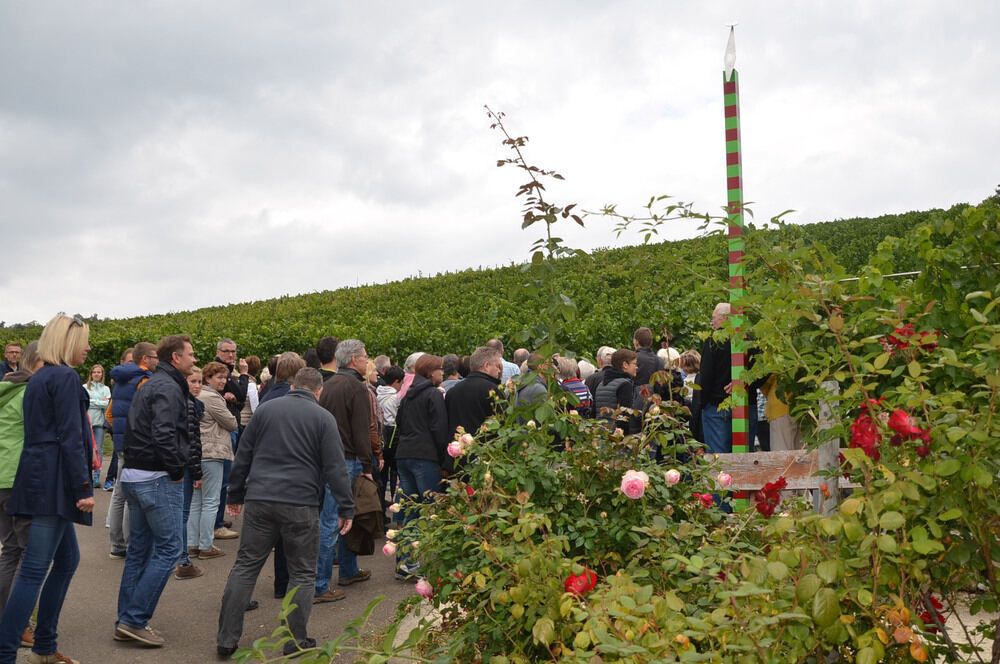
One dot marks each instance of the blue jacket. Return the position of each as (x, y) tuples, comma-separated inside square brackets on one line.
[(55, 465), (127, 378)]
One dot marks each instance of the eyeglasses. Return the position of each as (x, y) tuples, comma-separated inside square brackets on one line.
[(227, 350)]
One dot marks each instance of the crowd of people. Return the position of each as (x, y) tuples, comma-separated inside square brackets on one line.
[(310, 451)]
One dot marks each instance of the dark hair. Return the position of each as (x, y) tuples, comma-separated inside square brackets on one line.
[(621, 356), (253, 366), (644, 337), (272, 365), (463, 366), (326, 349), (450, 364), (427, 364), (170, 344), (392, 374), (125, 354), (311, 358)]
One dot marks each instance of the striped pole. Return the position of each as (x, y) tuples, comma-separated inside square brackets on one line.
[(737, 278)]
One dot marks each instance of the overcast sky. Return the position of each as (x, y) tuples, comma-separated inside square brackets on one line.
[(165, 156)]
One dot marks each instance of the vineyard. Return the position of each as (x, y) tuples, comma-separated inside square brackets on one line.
[(671, 284)]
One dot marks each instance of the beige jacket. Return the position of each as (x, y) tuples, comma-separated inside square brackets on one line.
[(216, 424)]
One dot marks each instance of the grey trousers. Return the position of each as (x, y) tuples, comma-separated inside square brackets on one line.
[(263, 523), (118, 515), (14, 539)]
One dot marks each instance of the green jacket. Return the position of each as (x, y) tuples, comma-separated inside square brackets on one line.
[(11, 427)]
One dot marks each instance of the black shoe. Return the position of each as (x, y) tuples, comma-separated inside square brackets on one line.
[(280, 594), (225, 652), (253, 604), (305, 644)]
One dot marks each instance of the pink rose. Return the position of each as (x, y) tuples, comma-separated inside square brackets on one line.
[(389, 548), (466, 439), (455, 449), (393, 508), (724, 480), (424, 588), (634, 483), (672, 476)]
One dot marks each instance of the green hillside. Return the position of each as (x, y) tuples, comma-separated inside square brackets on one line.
[(615, 290)]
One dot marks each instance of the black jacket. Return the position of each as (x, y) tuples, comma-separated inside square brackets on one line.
[(422, 424), (716, 371), (649, 363), (594, 380), (237, 386), (196, 408), (616, 390), (470, 402), (156, 434)]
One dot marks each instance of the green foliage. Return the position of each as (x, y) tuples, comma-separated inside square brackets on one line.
[(677, 581), (613, 291)]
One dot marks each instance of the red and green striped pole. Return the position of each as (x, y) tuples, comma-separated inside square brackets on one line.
[(737, 278)]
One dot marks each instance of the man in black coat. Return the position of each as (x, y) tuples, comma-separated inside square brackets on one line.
[(290, 456), (157, 451), (470, 401)]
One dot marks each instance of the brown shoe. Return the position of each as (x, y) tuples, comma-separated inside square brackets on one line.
[(188, 572), (362, 575), (214, 552), (331, 595), (28, 637), (193, 551)]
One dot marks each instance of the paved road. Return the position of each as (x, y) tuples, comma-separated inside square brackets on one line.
[(188, 612)]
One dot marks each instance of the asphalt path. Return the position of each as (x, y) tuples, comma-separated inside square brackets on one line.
[(188, 612)]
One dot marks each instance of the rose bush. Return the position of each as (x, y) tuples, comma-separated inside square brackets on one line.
[(679, 580)]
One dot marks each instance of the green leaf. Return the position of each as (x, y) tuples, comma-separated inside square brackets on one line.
[(777, 569), (948, 467), (543, 631), (949, 515), (828, 570), (887, 544), (674, 603), (981, 477), (825, 607), (881, 360), (866, 656), (891, 521), (807, 587), (850, 506), (914, 368), (864, 597)]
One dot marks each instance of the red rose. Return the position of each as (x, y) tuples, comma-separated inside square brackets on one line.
[(578, 584), (469, 491), (901, 422)]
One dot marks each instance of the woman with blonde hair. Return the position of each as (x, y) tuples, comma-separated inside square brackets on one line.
[(100, 396), (53, 487)]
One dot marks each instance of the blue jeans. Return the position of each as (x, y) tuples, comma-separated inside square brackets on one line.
[(328, 537), (155, 546), (204, 504), (416, 478), (220, 514), (348, 560), (718, 428), (51, 542), (185, 559)]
